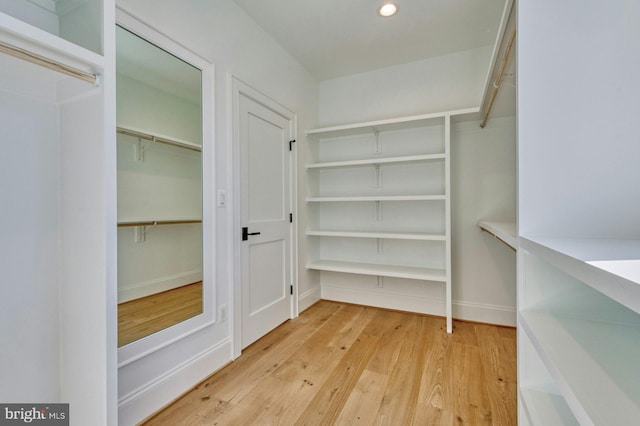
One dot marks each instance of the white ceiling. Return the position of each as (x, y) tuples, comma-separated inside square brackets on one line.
[(333, 38)]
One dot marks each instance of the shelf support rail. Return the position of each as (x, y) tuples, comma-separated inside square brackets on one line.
[(34, 58)]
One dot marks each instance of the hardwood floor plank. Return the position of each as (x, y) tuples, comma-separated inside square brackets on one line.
[(499, 369), (352, 365), (206, 399), (364, 402), (393, 329), (290, 358), (332, 395), (431, 408), (361, 408)]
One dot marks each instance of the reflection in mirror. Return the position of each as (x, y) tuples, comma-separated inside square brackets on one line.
[(159, 118)]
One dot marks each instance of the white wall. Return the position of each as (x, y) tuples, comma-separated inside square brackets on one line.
[(146, 108), (483, 175), (578, 113), (29, 240), (444, 83), (221, 33)]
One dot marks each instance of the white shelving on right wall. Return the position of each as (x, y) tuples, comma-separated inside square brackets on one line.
[(578, 210)]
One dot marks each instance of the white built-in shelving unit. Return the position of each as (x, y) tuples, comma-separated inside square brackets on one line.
[(379, 200), (579, 320), (57, 114)]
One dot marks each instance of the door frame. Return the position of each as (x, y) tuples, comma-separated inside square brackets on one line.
[(239, 88)]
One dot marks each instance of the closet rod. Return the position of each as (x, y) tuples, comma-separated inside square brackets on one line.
[(157, 222), (498, 80), (158, 139), (47, 63)]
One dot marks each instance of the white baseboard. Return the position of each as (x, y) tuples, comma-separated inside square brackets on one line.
[(159, 285), (490, 314), (384, 299), (308, 298), (143, 402)]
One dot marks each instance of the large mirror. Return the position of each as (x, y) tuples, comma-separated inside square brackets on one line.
[(159, 160)]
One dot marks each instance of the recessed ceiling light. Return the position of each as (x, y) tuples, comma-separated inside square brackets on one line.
[(388, 9)]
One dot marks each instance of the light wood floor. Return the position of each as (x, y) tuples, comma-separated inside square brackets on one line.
[(341, 364), (147, 315)]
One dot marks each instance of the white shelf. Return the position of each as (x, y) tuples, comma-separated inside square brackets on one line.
[(503, 231), (409, 272), (376, 161), (389, 235), (592, 364), (610, 266), (378, 198), (545, 408), (392, 123)]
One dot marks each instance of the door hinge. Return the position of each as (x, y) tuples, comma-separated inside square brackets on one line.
[(291, 289), (290, 217), (291, 142)]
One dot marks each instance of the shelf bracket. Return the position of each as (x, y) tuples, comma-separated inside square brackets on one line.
[(138, 151), (377, 145), (379, 245), (378, 176), (380, 281), (140, 234), (378, 212)]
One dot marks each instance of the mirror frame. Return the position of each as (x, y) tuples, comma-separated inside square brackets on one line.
[(140, 348)]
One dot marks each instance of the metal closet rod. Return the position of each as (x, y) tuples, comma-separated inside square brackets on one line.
[(498, 81), (152, 138), (34, 58), (158, 222)]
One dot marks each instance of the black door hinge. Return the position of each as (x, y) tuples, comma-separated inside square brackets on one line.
[(291, 142), (291, 289), (290, 217)]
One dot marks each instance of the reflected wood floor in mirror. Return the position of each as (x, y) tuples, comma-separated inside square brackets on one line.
[(147, 315), (340, 364)]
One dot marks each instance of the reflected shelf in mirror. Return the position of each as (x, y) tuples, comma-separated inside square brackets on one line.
[(158, 138), (122, 224)]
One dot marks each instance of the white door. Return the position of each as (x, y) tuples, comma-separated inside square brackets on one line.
[(265, 209)]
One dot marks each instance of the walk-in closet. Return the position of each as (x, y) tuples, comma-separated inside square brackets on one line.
[(204, 203)]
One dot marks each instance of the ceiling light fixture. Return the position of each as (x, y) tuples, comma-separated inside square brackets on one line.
[(387, 9)]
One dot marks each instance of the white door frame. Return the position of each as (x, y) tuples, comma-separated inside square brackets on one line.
[(238, 88)]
